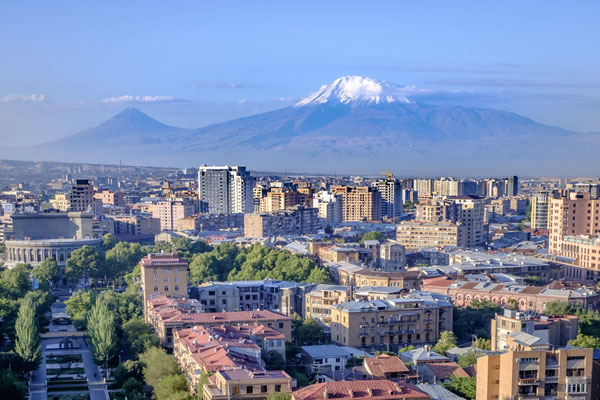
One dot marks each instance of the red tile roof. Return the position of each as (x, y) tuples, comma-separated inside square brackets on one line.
[(447, 370), (382, 364), (359, 390)]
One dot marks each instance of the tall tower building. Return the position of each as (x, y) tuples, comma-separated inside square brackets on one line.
[(512, 186), (391, 197), (225, 189), (470, 213), (359, 203), (163, 274), (82, 196), (540, 205)]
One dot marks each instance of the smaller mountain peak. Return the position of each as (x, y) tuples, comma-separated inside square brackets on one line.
[(355, 89)]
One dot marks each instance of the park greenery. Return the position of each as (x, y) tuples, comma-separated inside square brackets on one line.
[(469, 358), (446, 342), (462, 386), (474, 320), (373, 235), (229, 262)]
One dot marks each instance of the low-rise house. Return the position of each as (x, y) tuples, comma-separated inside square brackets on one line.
[(422, 355), (388, 367), (436, 372), (327, 357)]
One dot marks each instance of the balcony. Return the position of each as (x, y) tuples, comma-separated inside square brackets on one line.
[(529, 381), (364, 324)]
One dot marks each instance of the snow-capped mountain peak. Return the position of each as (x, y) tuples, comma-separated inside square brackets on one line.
[(355, 89)]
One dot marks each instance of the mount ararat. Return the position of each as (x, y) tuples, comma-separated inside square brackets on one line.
[(354, 125)]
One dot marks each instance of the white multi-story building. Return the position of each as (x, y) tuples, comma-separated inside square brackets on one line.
[(225, 189), (329, 206), (470, 212), (423, 186), (391, 197)]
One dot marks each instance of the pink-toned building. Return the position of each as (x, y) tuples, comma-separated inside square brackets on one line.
[(169, 212), (113, 198), (525, 298), (574, 224)]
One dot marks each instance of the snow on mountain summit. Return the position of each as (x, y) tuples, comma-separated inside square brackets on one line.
[(353, 89)]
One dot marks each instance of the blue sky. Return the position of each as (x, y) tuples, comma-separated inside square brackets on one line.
[(67, 65)]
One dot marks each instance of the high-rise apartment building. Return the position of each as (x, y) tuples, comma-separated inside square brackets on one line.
[(163, 274), (512, 186), (447, 187), (391, 197), (574, 224), (359, 203), (298, 221), (280, 198), (424, 187), (112, 198), (171, 211), (414, 235), (225, 189), (82, 196), (470, 214), (540, 203), (435, 210), (526, 372), (329, 207)]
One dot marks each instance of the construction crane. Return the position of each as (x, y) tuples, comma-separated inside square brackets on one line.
[(388, 173)]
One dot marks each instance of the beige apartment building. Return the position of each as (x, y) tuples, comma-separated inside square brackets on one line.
[(318, 301), (574, 224), (347, 274), (416, 318), (135, 225), (297, 221), (359, 203), (61, 202), (163, 274), (470, 210), (113, 198), (169, 212), (277, 198), (246, 384), (414, 235), (435, 210), (556, 331), (557, 374)]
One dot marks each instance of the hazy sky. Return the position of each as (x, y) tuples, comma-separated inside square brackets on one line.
[(65, 66)]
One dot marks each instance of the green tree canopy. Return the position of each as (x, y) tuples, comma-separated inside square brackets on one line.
[(279, 396), (373, 235), (46, 273), (308, 332), (469, 358), (110, 241), (139, 335), (483, 344), (446, 342), (27, 345), (156, 364), (558, 308), (86, 261), (10, 387), (102, 333), (464, 387), (123, 258), (15, 282), (169, 385), (588, 342)]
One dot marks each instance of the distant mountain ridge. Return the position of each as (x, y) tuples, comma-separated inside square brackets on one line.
[(353, 125)]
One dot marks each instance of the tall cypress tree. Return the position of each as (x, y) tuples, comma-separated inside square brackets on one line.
[(27, 344), (101, 330)]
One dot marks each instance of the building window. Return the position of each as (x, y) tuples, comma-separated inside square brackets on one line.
[(176, 287), (235, 390), (176, 279), (155, 280), (166, 288), (166, 280), (155, 271), (278, 388), (263, 389), (281, 325), (249, 389), (166, 271), (156, 288)]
